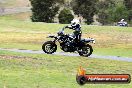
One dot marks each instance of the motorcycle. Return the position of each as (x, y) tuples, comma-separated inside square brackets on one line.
[(123, 24), (68, 44)]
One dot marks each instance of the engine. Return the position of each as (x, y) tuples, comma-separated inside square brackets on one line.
[(67, 43), (68, 47)]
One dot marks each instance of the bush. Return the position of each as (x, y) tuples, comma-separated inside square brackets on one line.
[(85, 8), (65, 16), (44, 10)]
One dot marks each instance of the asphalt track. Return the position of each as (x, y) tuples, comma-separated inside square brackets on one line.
[(71, 54)]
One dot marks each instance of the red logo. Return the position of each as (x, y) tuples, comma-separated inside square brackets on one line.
[(83, 78)]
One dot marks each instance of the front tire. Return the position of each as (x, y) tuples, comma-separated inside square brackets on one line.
[(49, 47), (86, 51)]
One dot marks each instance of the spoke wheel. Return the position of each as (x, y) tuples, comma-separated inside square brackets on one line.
[(49, 47), (86, 51)]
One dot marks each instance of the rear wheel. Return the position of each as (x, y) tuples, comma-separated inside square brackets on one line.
[(49, 47), (86, 51)]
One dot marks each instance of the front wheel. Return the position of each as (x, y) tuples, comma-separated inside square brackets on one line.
[(49, 47), (86, 51)]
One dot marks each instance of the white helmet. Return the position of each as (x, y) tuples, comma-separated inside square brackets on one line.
[(75, 22), (122, 20)]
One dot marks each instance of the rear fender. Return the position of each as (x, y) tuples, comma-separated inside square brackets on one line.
[(90, 40)]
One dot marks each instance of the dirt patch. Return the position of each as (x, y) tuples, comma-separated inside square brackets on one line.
[(22, 16), (13, 57), (23, 3), (98, 36)]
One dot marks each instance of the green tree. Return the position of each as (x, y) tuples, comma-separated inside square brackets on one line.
[(65, 16), (109, 11), (85, 8), (117, 13), (44, 10), (103, 17), (104, 9), (128, 4)]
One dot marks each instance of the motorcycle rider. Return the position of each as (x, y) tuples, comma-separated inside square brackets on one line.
[(122, 23), (75, 25)]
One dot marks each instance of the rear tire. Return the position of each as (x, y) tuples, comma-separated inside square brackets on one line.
[(49, 47), (86, 51)]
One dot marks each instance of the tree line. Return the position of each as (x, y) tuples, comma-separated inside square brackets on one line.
[(107, 11)]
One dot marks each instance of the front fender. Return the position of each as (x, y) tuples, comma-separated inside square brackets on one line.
[(51, 36), (54, 37)]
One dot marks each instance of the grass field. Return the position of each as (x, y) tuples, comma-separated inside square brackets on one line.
[(21, 70), (23, 16), (28, 35), (14, 3)]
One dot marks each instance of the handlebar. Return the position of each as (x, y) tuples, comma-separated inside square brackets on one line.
[(63, 29)]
